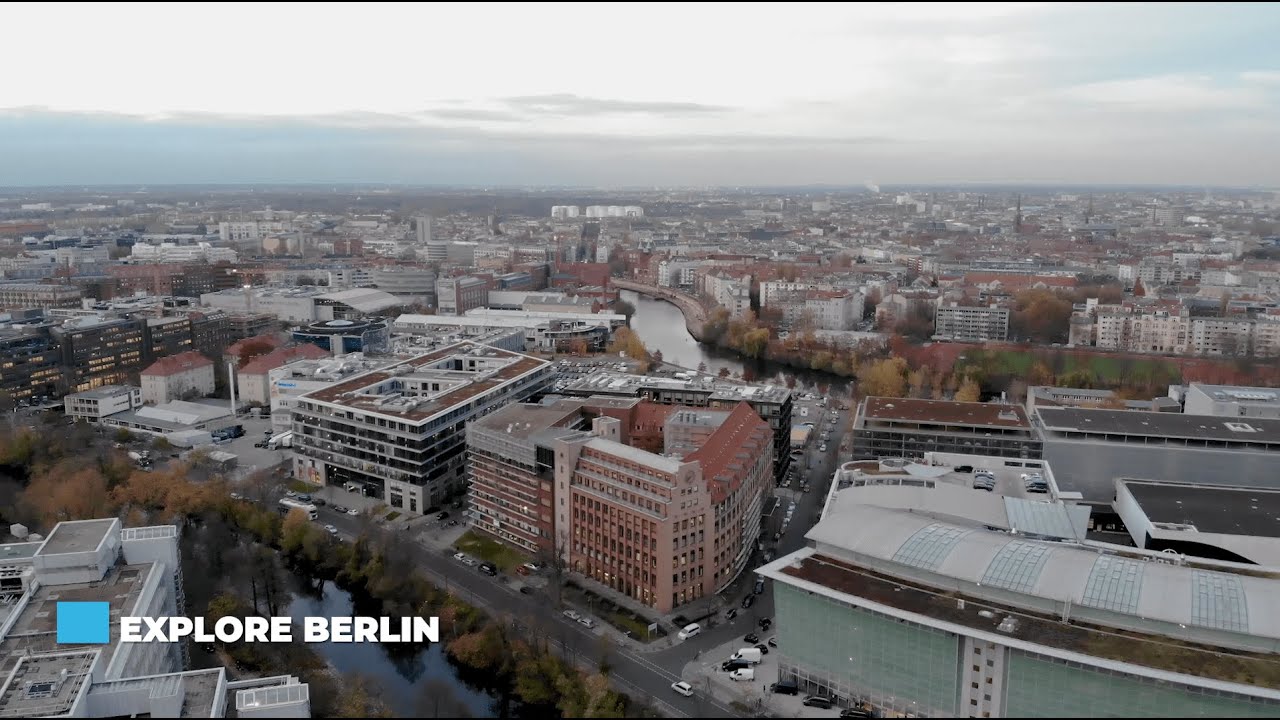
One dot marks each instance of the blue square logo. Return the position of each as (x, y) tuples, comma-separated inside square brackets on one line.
[(84, 622)]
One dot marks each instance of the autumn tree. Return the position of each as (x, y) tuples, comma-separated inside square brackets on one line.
[(67, 491), (1041, 316), (883, 378), (252, 348), (755, 342), (969, 391)]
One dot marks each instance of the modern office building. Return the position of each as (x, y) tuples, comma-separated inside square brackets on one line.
[(346, 336), (399, 432), (960, 605), (293, 379), (99, 351), (168, 336), (772, 403), (971, 323), (304, 304), (412, 283), (1090, 448), (30, 363), (669, 525), (907, 428), (136, 572), (93, 405)]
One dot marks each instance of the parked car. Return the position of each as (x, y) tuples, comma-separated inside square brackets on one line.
[(303, 497), (489, 569), (765, 623), (733, 613), (571, 614), (586, 622), (748, 601), (683, 688), (444, 515), (759, 588), (340, 509), (819, 701), (460, 557), (744, 675), (526, 590), (764, 650), (785, 687), (318, 502), (690, 630), (331, 529), (751, 638), (353, 511), (773, 642), (856, 713)]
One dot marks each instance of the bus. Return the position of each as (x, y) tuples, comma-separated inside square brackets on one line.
[(287, 504)]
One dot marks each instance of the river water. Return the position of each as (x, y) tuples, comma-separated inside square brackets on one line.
[(406, 680), (661, 326)]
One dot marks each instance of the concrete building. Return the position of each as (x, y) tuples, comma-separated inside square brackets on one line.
[(455, 296), (30, 363), (38, 295), (174, 417), (909, 428), (1090, 448), (136, 572), (1049, 396), (1233, 524), (398, 433), (298, 377), (668, 527), (167, 252), (971, 324), (834, 309), (304, 304), (253, 380), (99, 351), (422, 229), (93, 405), (168, 336), (346, 336), (178, 377), (414, 284), (939, 601), (1232, 401)]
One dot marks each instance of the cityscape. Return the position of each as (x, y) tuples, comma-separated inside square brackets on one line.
[(661, 402)]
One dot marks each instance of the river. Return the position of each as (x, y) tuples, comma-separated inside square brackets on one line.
[(661, 326), (411, 682)]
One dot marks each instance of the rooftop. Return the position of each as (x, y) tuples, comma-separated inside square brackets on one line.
[(627, 384), (47, 685), (419, 388), (104, 392), (946, 412), (180, 363), (523, 420), (1223, 510), (1238, 393), (77, 536), (1198, 428)]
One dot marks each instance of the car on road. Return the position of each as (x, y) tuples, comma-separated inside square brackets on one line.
[(331, 529), (683, 688), (822, 448), (489, 569), (586, 622), (526, 590), (690, 630), (759, 588), (773, 642), (318, 502), (353, 511), (340, 509), (765, 623), (819, 701), (856, 713), (751, 638), (733, 613), (571, 614), (748, 601)]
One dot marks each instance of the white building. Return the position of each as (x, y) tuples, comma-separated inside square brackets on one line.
[(172, 253), (834, 309), (177, 377), (302, 376), (1232, 401), (134, 572), (422, 226), (93, 405)]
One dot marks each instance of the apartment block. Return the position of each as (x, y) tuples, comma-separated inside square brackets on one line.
[(168, 336), (399, 432), (665, 528), (971, 324), (177, 377)]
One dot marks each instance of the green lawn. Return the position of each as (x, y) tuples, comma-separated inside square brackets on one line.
[(1107, 370), (393, 515), (485, 548)]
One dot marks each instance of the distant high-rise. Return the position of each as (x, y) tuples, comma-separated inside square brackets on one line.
[(423, 225)]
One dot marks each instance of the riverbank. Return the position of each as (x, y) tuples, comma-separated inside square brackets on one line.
[(695, 315)]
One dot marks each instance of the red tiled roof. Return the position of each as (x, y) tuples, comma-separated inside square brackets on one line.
[(280, 356), (174, 364), (742, 433)]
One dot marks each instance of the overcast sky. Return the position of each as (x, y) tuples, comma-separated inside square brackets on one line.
[(619, 94)]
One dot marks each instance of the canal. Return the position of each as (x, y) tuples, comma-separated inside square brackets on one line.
[(661, 326), (413, 682)]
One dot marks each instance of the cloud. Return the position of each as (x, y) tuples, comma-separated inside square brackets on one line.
[(568, 104)]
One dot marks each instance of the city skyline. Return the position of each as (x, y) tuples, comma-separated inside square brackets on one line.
[(629, 95)]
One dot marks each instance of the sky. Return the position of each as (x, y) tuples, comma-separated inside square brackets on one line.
[(638, 95)]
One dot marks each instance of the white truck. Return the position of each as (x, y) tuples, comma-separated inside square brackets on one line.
[(283, 440), (750, 655)]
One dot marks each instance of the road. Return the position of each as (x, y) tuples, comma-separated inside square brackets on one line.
[(645, 675)]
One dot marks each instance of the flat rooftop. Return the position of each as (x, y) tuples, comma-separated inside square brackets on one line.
[(107, 391), (619, 383), (1196, 428), (1225, 510), (38, 688), (523, 420), (78, 536), (945, 412), (1240, 393), (1158, 652), (35, 628), (369, 392)]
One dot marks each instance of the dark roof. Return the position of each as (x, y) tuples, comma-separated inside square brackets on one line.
[(1225, 510), (1162, 425), (947, 412)]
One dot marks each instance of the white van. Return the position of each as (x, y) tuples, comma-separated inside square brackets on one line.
[(747, 674), (690, 630), (751, 655)]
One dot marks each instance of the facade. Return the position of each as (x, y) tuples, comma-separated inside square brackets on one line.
[(1091, 447), (93, 405), (299, 377), (303, 304), (30, 363), (455, 296), (100, 351), (399, 432), (1232, 401), (1175, 331), (907, 428), (37, 295), (937, 611), (136, 572), (418, 284), (177, 377), (346, 336), (168, 336), (241, 326), (254, 379), (972, 324), (668, 527)]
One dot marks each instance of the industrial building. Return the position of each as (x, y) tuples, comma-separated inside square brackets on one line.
[(1236, 524), (1231, 401), (906, 428), (920, 596), (93, 405), (346, 336), (136, 572), (304, 304), (398, 433)]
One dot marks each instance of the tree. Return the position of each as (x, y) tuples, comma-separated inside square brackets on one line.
[(625, 340), (622, 307), (969, 391), (755, 342), (883, 378), (916, 323), (68, 491)]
